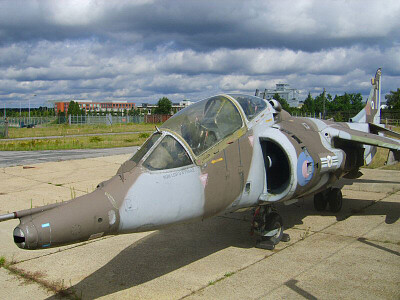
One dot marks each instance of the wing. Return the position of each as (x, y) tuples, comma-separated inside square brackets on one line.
[(365, 138)]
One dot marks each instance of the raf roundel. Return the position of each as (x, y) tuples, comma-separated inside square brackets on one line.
[(305, 168)]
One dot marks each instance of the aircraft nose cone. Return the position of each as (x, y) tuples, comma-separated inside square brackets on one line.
[(26, 236), (19, 237)]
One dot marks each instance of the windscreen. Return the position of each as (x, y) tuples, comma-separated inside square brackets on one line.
[(206, 122), (168, 154), (145, 148)]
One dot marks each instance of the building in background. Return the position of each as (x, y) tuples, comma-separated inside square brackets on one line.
[(146, 108), (89, 105), (283, 90)]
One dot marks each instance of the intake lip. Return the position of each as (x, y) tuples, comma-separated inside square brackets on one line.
[(19, 237)]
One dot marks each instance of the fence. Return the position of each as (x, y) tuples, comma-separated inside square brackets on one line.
[(3, 128), (26, 121), (153, 119), (109, 119)]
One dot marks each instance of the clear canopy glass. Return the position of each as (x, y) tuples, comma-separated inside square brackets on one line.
[(251, 105), (206, 122), (145, 148), (168, 154)]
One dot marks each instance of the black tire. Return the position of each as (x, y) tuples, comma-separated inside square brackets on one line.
[(335, 199), (320, 202), (274, 221)]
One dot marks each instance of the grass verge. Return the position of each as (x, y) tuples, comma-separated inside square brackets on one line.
[(379, 161), (84, 142), (65, 129)]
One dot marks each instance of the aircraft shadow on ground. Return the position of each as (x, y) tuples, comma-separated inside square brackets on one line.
[(163, 252), (361, 180), (170, 249), (294, 214)]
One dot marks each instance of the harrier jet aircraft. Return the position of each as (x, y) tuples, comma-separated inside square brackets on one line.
[(221, 154)]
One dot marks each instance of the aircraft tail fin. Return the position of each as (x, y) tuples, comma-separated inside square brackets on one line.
[(371, 113)]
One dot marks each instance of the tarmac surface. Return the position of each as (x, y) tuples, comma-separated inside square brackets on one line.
[(18, 158), (353, 254)]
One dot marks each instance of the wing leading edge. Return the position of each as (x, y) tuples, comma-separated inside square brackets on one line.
[(365, 138)]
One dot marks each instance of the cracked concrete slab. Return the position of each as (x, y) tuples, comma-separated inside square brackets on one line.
[(13, 287), (329, 255)]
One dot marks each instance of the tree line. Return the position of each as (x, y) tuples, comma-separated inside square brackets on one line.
[(24, 112), (335, 107), (338, 106)]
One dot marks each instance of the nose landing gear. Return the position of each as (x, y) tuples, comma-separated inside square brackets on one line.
[(268, 224)]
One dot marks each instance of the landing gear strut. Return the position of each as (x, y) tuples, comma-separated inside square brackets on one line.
[(268, 224), (333, 196)]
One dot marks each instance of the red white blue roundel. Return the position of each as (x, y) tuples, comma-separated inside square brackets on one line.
[(305, 168)]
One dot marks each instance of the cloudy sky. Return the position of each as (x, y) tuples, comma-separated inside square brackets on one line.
[(142, 50)]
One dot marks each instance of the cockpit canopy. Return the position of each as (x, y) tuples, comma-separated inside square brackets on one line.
[(202, 125), (206, 122)]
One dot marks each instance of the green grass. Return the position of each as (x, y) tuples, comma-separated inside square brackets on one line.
[(65, 130), (2, 261), (379, 161), (84, 142), (226, 275), (381, 155)]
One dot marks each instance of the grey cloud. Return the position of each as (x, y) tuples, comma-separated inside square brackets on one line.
[(143, 50), (204, 25)]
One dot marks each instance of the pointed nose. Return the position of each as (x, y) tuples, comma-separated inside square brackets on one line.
[(26, 236)]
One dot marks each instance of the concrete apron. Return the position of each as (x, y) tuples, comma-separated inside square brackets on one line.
[(353, 254)]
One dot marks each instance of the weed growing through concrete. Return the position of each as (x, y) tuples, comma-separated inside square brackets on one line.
[(229, 274), (226, 275), (57, 287), (305, 234), (73, 193), (2, 261)]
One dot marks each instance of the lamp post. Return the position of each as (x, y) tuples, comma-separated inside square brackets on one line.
[(30, 109)]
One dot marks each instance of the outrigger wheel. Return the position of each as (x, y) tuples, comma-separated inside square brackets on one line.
[(332, 196), (268, 224)]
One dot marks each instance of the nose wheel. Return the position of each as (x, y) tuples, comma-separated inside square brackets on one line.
[(267, 223), (332, 196)]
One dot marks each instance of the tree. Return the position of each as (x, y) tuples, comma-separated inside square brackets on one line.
[(346, 102), (357, 101), (309, 104), (74, 109), (393, 99), (164, 106), (282, 101), (134, 112)]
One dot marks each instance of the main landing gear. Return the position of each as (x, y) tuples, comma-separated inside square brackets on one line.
[(268, 224), (333, 196)]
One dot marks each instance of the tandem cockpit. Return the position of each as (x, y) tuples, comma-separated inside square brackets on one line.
[(197, 130)]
